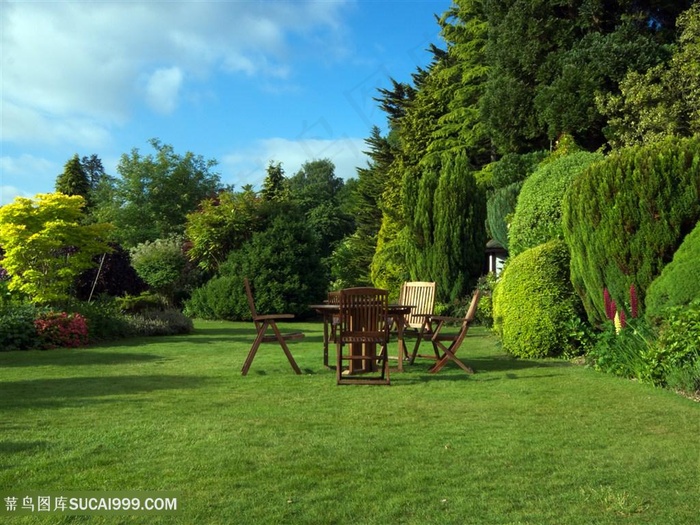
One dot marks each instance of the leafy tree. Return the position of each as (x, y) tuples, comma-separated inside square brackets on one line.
[(47, 245), (548, 59), (460, 129), (154, 194), (222, 224), (662, 101), (161, 264), (92, 166), (316, 189), (283, 263)]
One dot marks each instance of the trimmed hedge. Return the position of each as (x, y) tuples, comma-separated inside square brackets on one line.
[(679, 282), (626, 216), (534, 304), (537, 217)]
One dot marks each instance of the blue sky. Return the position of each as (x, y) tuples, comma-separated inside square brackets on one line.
[(242, 82)]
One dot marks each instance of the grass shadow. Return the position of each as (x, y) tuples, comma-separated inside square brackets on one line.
[(77, 358), (78, 391)]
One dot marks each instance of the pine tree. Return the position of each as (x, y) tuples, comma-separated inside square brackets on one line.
[(74, 180)]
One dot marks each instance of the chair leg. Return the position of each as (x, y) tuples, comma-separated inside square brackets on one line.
[(254, 349), (338, 363), (282, 343), (449, 355)]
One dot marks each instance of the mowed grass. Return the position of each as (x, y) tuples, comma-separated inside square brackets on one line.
[(519, 442)]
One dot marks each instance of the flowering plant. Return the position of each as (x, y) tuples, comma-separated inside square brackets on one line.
[(60, 329)]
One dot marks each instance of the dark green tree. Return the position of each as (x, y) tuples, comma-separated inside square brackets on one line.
[(548, 59), (316, 189), (273, 187), (459, 232), (284, 264), (94, 170), (74, 180), (352, 259), (664, 100)]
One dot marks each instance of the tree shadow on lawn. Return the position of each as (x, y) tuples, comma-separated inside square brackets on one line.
[(79, 391), (73, 357)]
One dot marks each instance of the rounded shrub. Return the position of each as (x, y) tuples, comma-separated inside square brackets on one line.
[(220, 298), (537, 217), (534, 304), (625, 217), (679, 282)]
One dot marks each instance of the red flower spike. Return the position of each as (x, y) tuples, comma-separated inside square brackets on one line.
[(634, 302), (609, 305)]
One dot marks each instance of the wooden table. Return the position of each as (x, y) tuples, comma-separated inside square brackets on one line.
[(395, 311)]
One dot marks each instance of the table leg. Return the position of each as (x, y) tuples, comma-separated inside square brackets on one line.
[(326, 317), (399, 336)]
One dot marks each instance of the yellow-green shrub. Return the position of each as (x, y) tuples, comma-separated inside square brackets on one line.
[(534, 304)]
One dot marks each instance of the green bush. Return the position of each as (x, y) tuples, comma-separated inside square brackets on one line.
[(161, 322), (679, 339), (133, 304), (104, 318), (537, 217), (534, 304), (17, 331), (499, 209), (685, 378), (626, 216), (627, 353), (220, 298), (283, 265), (679, 282)]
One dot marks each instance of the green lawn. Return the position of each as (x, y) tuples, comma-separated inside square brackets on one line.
[(520, 442)]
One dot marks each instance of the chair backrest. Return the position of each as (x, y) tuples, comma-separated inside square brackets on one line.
[(420, 295), (251, 301), (333, 298), (471, 312), (363, 315)]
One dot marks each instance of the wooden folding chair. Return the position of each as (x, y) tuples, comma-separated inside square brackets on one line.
[(262, 324), (363, 324), (421, 296), (439, 339), (331, 321)]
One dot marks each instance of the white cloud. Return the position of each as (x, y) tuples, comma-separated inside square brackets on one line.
[(70, 66), (163, 88), (248, 166), (26, 176), (8, 194)]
